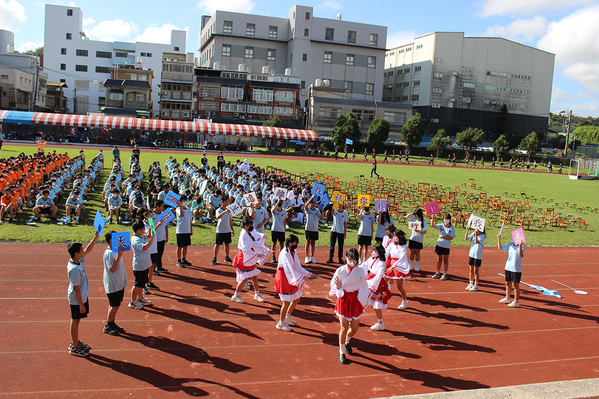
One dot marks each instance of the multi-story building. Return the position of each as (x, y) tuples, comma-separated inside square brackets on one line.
[(55, 99), (247, 96), (326, 104), (22, 86), (457, 82), (70, 57), (128, 92), (348, 54), (176, 87)]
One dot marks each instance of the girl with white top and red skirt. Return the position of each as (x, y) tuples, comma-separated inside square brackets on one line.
[(289, 281), (388, 238), (397, 265), (351, 288), (251, 251), (378, 285)]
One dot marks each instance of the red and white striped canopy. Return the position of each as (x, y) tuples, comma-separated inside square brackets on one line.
[(117, 122)]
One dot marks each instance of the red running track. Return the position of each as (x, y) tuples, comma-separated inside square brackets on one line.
[(196, 342)]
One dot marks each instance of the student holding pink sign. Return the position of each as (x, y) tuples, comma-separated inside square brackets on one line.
[(418, 229), (513, 270)]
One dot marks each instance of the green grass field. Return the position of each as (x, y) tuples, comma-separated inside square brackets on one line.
[(494, 182)]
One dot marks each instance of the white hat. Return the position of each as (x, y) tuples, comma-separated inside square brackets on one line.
[(246, 160)]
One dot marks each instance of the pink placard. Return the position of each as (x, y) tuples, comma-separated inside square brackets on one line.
[(432, 208), (518, 235)]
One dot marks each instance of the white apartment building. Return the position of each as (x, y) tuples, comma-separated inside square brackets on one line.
[(459, 82), (348, 54), (21, 83), (70, 57)]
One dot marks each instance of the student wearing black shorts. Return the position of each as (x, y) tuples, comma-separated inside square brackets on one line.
[(224, 229)]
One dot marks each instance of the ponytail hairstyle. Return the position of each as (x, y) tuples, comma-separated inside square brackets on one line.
[(247, 221), (419, 214), (401, 236), (290, 240), (447, 216), (352, 253), (381, 251)]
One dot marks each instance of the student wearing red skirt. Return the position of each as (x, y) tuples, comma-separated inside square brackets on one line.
[(397, 266), (378, 285), (251, 251), (289, 281), (388, 238), (351, 288)]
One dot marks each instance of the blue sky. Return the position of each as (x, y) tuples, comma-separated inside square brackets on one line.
[(567, 28)]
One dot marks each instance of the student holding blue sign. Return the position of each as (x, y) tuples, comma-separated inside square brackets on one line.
[(141, 263), (161, 235), (115, 281), (313, 215), (184, 231)]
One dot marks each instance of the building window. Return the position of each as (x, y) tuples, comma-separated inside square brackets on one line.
[(103, 54), (63, 67), (369, 89), (120, 54), (272, 32), (395, 117), (69, 12), (304, 57), (81, 68), (290, 56), (231, 92), (417, 69), (63, 51), (495, 88), (250, 30), (418, 47), (406, 70), (133, 76), (328, 57), (69, 36), (469, 69), (415, 97), (348, 86), (438, 75), (329, 34), (176, 48), (500, 74), (285, 96), (351, 36), (437, 90), (102, 69), (116, 96), (374, 39), (226, 50), (63, 81), (306, 32), (349, 59), (249, 52), (439, 60), (149, 55), (434, 120), (329, 113), (469, 85), (303, 84), (140, 97), (371, 62), (81, 53), (143, 77), (271, 54), (435, 105), (307, 15), (262, 95), (228, 27), (143, 54), (416, 83)]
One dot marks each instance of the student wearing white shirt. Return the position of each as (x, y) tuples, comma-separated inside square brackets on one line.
[(338, 232), (251, 251), (115, 282), (475, 257)]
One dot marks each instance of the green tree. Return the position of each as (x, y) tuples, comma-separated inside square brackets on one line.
[(38, 51), (275, 121), (501, 146), (531, 144), (470, 138), (378, 133), (346, 127), (412, 131), (439, 142), (587, 134)]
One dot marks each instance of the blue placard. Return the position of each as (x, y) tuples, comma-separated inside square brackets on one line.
[(119, 240), (99, 222), (349, 141), (171, 199), (166, 216), (319, 189), (324, 201)]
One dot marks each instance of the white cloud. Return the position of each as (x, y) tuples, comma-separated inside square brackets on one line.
[(154, 34), (10, 12), (400, 38), (574, 38), (581, 103), (113, 30), (527, 7), (587, 75), (330, 5), (88, 21), (29, 46), (72, 4), (210, 6), (524, 30)]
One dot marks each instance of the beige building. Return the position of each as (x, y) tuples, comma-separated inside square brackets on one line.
[(128, 92), (176, 87)]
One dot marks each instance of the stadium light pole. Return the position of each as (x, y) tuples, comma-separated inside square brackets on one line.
[(568, 126)]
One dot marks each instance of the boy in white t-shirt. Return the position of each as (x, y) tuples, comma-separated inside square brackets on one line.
[(141, 263), (115, 281)]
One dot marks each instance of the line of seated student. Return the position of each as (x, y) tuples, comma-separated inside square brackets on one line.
[(118, 192), (83, 182), (22, 179)]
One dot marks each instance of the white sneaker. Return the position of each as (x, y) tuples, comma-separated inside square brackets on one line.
[(359, 261), (378, 326), (283, 326), (313, 260), (474, 288), (469, 287), (307, 260), (443, 277), (417, 268), (505, 300), (290, 321), (404, 305), (247, 285), (258, 297), (237, 298), (194, 220), (144, 301), (135, 305), (514, 304)]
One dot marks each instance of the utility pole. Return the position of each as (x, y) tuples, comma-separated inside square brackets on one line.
[(37, 78), (568, 126), (75, 101)]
